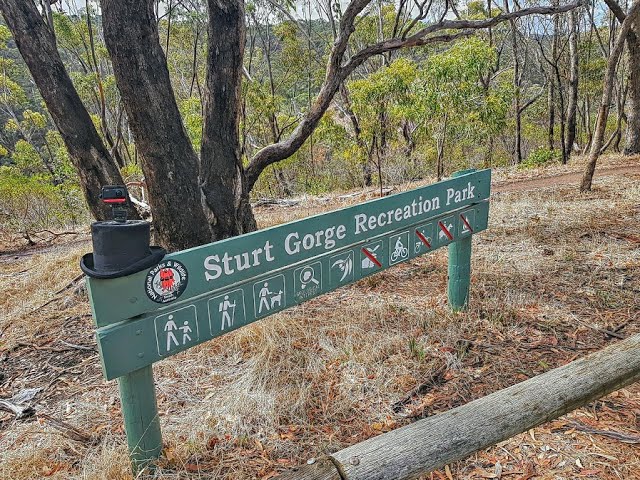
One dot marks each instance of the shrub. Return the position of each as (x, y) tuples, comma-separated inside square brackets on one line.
[(30, 204), (539, 157)]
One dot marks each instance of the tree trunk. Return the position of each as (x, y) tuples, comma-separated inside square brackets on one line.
[(225, 196), (603, 110), (516, 84), (37, 45), (551, 119), (573, 83), (169, 162), (552, 86), (632, 144)]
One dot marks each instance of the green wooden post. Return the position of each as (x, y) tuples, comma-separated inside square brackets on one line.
[(459, 267), (140, 412)]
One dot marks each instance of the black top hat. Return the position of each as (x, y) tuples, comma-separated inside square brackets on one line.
[(120, 249)]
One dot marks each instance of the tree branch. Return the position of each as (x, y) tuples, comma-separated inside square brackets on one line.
[(616, 9), (337, 71)]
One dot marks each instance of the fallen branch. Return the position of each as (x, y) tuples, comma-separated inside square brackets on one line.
[(436, 378), (621, 437), (18, 403), (263, 202), (67, 430)]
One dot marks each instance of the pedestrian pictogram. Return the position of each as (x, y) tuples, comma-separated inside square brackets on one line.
[(371, 256), (307, 281), (176, 330), (268, 295), (398, 248), (227, 311)]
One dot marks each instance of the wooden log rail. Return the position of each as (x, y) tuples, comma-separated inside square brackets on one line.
[(436, 441)]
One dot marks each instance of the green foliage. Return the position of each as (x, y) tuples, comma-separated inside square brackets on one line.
[(407, 103), (539, 157), (191, 110), (27, 159), (11, 93), (29, 204), (5, 36), (131, 172)]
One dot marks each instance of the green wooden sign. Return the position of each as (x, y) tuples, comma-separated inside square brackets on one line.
[(202, 293)]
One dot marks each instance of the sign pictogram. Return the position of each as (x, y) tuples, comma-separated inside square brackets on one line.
[(227, 311), (307, 281), (467, 220), (446, 230), (341, 268), (398, 248), (371, 257), (176, 330), (424, 240), (268, 295)]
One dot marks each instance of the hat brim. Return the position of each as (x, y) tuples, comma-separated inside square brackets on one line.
[(87, 266)]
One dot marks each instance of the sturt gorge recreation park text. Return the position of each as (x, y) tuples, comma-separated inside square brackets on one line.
[(326, 238)]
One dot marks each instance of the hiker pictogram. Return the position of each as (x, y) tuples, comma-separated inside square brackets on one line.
[(226, 311)]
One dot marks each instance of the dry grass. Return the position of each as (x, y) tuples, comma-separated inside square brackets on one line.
[(554, 271)]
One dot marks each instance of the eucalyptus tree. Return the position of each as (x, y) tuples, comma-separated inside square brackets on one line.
[(196, 198), (631, 18), (632, 40)]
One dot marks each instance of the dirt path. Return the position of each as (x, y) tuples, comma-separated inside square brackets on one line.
[(566, 178)]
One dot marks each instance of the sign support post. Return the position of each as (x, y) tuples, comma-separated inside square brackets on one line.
[(122, 247), (140, 413), (459, 267)]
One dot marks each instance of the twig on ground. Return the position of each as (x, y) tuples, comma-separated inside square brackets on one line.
[(55, 295), (67, 430), (78, 347), (20, 411), (436, 378), (621, 437)]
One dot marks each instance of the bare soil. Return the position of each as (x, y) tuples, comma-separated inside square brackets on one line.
[(573, 178), (556, 276)]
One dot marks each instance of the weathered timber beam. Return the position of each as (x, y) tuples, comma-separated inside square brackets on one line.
[(439, 440)]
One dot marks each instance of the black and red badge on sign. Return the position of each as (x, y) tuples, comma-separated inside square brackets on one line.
[(166, 281)]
